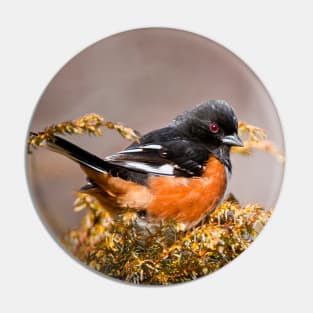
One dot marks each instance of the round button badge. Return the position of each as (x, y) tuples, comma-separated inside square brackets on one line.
[(155, 156)]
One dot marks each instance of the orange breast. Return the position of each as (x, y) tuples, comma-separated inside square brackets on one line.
[(188, 199), (165, 197)]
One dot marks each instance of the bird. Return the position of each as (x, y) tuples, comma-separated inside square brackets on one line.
[(179, 172)]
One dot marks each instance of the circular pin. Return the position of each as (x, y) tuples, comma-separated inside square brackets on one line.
[(178, 203)]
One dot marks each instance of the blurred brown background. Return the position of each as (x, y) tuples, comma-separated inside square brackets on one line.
[(144, 78)]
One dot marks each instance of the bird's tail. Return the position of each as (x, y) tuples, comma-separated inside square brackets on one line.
[(77, 154)]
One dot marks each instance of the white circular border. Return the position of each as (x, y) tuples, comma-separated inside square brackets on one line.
[(274, 273)]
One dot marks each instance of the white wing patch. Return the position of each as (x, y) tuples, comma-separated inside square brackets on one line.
[(131, 151), (141, 148), (155, 147), (165, 169)]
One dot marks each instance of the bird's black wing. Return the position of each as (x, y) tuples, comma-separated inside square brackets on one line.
[(163, 153)]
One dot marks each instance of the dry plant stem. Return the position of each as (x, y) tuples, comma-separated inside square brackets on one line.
[(256, 138), (89, 124)]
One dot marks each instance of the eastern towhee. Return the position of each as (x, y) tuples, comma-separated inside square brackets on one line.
[(177, 172)]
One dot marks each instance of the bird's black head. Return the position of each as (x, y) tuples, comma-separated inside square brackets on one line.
[(212, 123)]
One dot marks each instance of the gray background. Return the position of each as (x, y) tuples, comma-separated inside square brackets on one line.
[(144, 78)]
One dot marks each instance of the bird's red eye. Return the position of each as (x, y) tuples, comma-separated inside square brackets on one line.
[(214, 128)]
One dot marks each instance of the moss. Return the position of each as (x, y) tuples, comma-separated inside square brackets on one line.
[(123, 249)]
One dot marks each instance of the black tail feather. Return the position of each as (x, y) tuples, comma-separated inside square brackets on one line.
[(78, 154)]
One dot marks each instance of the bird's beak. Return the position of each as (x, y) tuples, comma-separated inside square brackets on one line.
[(233, 140)]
